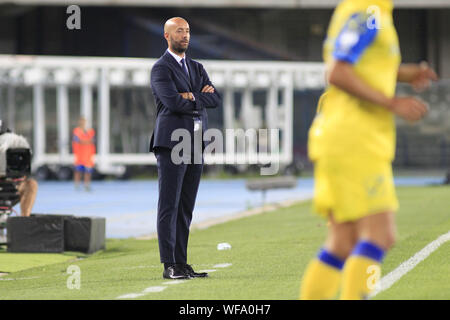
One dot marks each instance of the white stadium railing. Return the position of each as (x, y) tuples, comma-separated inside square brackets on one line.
[(91, 73)]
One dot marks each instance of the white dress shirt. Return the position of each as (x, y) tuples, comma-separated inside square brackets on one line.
[(178, 59)]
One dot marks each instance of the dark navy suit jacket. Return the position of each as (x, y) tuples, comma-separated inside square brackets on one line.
[(168, 80)]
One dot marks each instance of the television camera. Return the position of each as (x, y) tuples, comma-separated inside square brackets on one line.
[(15, 167)]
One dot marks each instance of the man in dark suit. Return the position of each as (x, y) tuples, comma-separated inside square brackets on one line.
[(182, 92)]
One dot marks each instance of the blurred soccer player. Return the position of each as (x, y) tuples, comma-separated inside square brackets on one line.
[(83, 147), (352, 145)]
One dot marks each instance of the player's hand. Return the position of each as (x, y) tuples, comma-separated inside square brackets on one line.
[(422, 77), (409, 108), (208, 89), (187, 95)]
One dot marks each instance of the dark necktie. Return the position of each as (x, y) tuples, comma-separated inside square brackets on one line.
[(184, 67)]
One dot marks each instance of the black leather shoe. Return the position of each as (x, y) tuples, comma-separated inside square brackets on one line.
[(188, 269), (175, 273)]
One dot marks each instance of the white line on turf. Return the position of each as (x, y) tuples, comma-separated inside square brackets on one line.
[(131, 296), (222, 265), (388, 280), (15, 279), (154, 289), (142, 267), (143, 293), (162, 288)]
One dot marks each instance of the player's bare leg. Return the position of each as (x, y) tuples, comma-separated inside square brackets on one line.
[(27, 191), (341, 237), (362, 270), (322, 277), (378, 228)]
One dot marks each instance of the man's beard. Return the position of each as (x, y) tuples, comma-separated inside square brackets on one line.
[(177, 47)]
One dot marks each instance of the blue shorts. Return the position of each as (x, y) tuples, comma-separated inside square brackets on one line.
[(82, 168)]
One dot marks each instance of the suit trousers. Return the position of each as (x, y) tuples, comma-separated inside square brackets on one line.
[(178, 186)]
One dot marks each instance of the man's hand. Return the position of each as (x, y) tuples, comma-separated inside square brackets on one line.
[(187, 95), (409, 108), (208, 89), (190, 96), (419, 76)]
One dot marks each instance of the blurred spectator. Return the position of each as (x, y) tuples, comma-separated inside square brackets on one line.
[(83, 147)]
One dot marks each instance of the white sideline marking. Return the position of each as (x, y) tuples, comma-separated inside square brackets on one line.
[(142, 267), (15, 279), (131, 296), (208, 270), (162, 288), (143, 293), (154, 289), (388, 280), (222, 265)]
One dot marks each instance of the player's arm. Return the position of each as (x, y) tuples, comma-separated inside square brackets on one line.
[(345, 78), (350, 45), (419, 76)]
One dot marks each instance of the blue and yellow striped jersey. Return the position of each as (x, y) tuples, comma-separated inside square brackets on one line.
[(362, 33)]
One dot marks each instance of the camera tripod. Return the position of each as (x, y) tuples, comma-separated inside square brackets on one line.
[(9, 197)]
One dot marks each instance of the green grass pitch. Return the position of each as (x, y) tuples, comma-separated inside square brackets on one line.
[(268, 257)]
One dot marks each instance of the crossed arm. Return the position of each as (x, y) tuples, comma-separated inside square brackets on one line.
[(190, 95), (184, 102), (165, 89), (208, 97)]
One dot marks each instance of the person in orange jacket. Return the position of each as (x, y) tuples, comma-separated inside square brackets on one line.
[(83, 146)]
